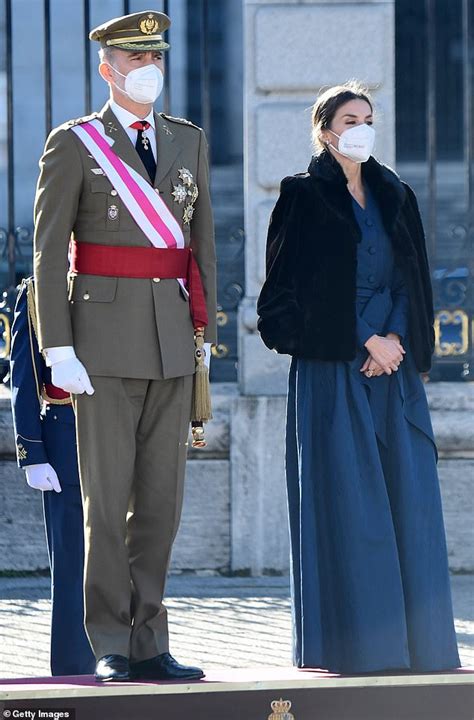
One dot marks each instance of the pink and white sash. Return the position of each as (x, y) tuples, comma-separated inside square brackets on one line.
[(145, 205)]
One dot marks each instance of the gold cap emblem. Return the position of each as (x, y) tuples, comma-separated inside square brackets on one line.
[(148, 25)]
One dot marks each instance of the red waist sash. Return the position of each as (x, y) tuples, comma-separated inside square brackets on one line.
[(143, 262), (56, 393)]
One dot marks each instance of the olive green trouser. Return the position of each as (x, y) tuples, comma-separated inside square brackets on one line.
[(132, 443)]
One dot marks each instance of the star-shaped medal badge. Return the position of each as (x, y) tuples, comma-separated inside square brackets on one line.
[(179, 193), (186, 176)]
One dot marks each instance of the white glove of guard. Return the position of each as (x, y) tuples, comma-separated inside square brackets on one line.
[(42, 477), (71, 376)]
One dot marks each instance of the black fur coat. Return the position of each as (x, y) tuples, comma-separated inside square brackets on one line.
[(307, 304)]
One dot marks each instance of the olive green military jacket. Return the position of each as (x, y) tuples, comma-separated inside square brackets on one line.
[(120, 327)]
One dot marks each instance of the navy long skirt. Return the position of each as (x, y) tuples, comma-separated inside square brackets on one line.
[(370, 580)]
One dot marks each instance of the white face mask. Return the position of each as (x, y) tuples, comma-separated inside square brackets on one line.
[(142, 85), (356, 143)]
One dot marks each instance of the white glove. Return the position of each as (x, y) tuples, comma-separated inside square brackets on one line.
[(71, 376), (42, 477), (207, 355)]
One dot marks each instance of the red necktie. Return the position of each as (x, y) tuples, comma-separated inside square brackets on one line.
[(142, 146)]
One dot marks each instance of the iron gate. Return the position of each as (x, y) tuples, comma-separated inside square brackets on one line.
[(435, 150)]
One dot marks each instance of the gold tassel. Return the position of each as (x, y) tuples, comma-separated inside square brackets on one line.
[(201, 409)]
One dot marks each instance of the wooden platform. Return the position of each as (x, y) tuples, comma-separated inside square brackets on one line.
[(257, 694)]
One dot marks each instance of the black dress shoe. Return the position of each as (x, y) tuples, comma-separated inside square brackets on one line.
[(164, 667), (112, 668)]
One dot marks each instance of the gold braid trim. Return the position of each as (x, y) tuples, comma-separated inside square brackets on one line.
[(135, 43), (53, 401), (30, 298), (32, 326)]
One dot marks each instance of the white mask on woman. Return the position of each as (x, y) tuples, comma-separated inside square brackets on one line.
[(142, 85), (356, 143)]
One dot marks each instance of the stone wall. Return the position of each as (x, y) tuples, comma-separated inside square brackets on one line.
[(204, 537), (234, 517)]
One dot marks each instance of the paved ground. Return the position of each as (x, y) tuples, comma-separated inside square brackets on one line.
[(215, 622)]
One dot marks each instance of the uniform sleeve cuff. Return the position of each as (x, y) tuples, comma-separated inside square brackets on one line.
[(30, 452), (57, 354)]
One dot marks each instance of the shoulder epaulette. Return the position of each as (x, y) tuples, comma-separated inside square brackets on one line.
[(79, 121), (180, 121)]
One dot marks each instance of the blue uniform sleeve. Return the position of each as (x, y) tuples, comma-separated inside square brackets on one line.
[(398, 319), (26, 368)]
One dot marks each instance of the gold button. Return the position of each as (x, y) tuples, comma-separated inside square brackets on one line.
[(113, 192), (156, 279), (86, 296)]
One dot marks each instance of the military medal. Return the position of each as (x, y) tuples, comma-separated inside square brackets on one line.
[(194, 194), (188, 214), (186, 176), (179, 193), (186, 191)]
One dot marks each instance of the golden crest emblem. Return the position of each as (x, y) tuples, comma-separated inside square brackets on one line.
[(22, 453), (148, 25), (281, 710)]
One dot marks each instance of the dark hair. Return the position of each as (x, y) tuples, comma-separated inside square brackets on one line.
[(329, 102)]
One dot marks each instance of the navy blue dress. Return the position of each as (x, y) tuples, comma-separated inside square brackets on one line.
[(370, 579)]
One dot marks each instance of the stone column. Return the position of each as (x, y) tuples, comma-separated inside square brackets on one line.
[(292, 50)]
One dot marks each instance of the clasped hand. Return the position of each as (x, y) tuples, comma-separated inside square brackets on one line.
[(385, 355)]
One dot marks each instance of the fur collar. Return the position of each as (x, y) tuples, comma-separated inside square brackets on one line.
[(387, 188)]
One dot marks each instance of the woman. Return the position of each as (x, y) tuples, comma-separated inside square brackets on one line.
[(348, 295)]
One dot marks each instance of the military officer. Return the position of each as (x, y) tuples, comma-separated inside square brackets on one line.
[(130, 188), (45, 435)]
